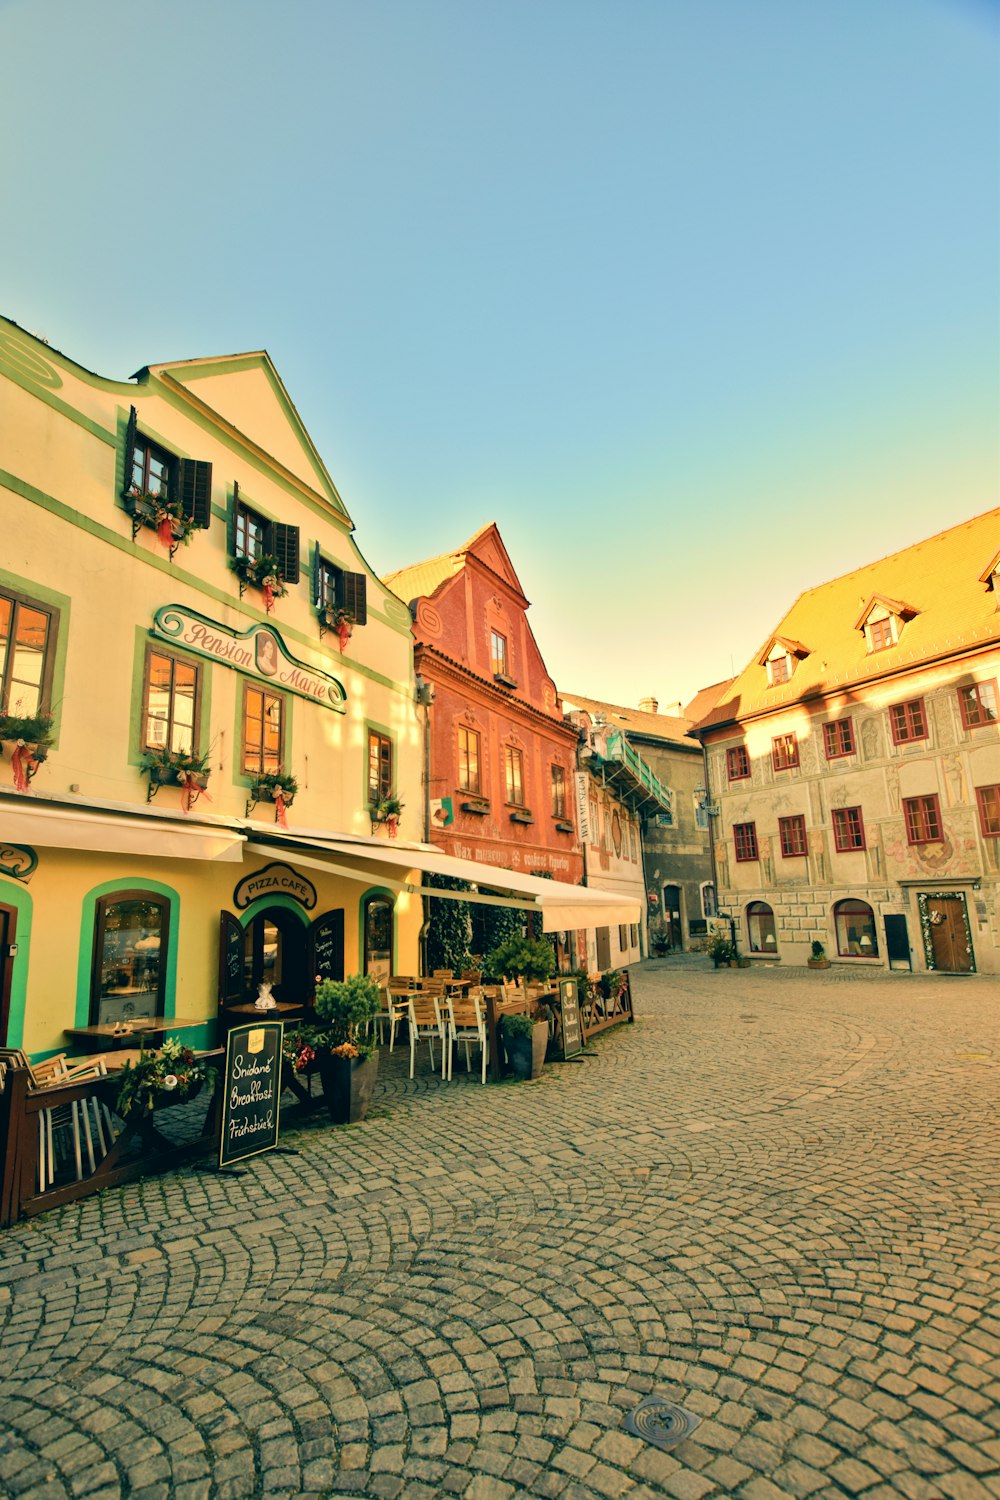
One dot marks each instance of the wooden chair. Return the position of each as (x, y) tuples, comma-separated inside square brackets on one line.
[(443, 974), (396, 994), (424, 1015), (466, 1024)]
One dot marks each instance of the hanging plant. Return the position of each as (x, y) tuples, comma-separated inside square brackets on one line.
[(264, 572), (278, 787), (178, 768), (30, 735), (388, 811), (171, 522)]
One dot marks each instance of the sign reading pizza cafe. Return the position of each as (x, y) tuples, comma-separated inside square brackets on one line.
[(258, 651)]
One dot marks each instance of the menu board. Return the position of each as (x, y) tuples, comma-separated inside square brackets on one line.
[(252, 1082), (569, 1006), (327, 934)]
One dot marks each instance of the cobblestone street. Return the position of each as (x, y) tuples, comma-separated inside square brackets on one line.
[(774, 1200)]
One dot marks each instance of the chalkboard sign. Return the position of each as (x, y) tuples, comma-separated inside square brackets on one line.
[(231, 942), (327, 933), (252, 1083), (569, 1006)]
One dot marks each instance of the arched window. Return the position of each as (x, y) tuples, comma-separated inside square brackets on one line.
[(132, 930), (378, 937), (760, 928), (855, 925)]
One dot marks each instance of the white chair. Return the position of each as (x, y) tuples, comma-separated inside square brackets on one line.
[(395, 996), (467, 1024), (424, 1015)]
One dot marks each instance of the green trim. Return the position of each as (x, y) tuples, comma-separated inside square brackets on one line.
[(143, 639), (13, 894), (63, 604), (35, 387), (382, 892), (178, 575), (88, 932), (265, 903)]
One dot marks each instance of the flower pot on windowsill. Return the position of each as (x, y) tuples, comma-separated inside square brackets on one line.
[(337, 620), (502, 680), (564, 826), (166, 517), (477, 807), (26, 756), (522, 816)]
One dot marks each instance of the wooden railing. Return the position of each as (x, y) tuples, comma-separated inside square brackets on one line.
[(21, 1108), (598, 1012)]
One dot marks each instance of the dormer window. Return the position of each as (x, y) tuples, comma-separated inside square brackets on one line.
[(991, 577), (779, 658), (882, 620)]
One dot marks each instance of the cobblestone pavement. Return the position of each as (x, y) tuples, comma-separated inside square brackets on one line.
[(774, 1199)]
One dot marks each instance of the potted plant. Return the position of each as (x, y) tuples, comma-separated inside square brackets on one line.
[(521, 958), (177, 768), (818, 960), (525, 1039), (720, 949), (345, 1053), (335, 617), (387, 810), (264, 572), (29, 736), (172, 1075), (278, 787), (172, 524)]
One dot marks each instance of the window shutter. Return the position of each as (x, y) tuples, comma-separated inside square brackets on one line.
[(230, 959), (353, 591), (317, 577), (285, 542), (231, 540), (194, 485), (129, 450)]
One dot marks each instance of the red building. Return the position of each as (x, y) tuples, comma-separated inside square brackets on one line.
[(501, 756)]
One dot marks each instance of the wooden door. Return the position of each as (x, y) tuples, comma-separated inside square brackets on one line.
[(951, 940), (8, 942)]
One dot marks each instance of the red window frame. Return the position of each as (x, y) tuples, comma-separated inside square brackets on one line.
[(880, 633), (848, 830), (779, 670), (737, 763), (988, 798), (908, 721), (792, 834), (745, 841), (784, 752), (923, 819), (974, 710), (838, 738)]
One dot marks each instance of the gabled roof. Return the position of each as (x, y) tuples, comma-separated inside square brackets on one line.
[(704, 701), (632, 720), (941, 576), (894, 607), (421, 580), (794, 648), (248, 393)]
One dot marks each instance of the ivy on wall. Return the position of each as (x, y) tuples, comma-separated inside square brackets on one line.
[(449, 930)]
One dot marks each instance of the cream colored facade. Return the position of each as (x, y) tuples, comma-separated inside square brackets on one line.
[(916, 791), (111, 595)]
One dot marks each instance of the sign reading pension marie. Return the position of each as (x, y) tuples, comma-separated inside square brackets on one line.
[(252, 1091), (260, 651)]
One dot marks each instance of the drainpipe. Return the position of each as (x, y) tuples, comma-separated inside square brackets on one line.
[(425, 697), (711, 840)]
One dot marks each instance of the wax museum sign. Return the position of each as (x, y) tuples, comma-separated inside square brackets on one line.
[(259, 651)]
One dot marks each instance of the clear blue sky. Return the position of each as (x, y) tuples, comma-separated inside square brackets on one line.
[(698, 299)]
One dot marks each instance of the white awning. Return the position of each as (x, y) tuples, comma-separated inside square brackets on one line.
[(562, 906), (58, 826)]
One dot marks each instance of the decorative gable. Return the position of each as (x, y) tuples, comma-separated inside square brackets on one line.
[(780, 657), (882, 620)]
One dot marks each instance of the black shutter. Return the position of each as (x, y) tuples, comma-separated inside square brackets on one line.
[(231, 539), (353, 596), (285, 545), (129, 450), (194, 486), (317, 578)]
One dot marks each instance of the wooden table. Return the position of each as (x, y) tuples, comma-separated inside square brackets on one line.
[(141, 1027), (281, 1010)]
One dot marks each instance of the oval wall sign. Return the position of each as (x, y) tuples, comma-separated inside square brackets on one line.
[(274, 880)]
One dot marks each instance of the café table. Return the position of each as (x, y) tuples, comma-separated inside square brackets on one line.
[(140, 1027)]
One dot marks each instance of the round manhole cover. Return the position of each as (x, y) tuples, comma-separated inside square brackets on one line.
[(660, 1422)]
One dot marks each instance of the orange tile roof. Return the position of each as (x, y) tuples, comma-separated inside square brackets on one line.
[(419, 580), (940, 578), (632, 720)]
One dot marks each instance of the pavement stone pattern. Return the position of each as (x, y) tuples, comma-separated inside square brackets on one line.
[(773, 1200)]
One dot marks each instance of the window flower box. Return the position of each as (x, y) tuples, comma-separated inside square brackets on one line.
[(262, 572), (521, 815), (28, 736), (340, 620), (168, 518), (503, 680), (388, 811), (176, 768), (477, 806), (564, 825), (278, 787)]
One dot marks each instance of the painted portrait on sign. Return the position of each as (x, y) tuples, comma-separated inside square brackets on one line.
[(267, 653)]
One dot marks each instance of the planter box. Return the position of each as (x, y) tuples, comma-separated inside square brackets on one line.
[(170, 776), (521, 817), (266, 794), (504, 681), (539, 1047), (348, 1085), (479, 808), (564, 827), (817, 963)]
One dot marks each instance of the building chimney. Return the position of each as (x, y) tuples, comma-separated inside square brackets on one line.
[(648, 705)]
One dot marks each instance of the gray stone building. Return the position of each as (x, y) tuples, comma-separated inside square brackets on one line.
[(676, 853)]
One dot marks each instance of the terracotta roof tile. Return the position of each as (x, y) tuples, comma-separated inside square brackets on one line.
[(419, 580), (634, 720), (940, 578)]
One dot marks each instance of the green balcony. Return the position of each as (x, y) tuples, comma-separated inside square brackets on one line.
[(624, 770)]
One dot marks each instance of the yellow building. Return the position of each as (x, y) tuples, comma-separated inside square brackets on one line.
[(228, 699), (854, 766)]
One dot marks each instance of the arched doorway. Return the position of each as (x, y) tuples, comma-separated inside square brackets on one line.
[(275, 950), (760, 928), (672, 917), (377, 934)]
